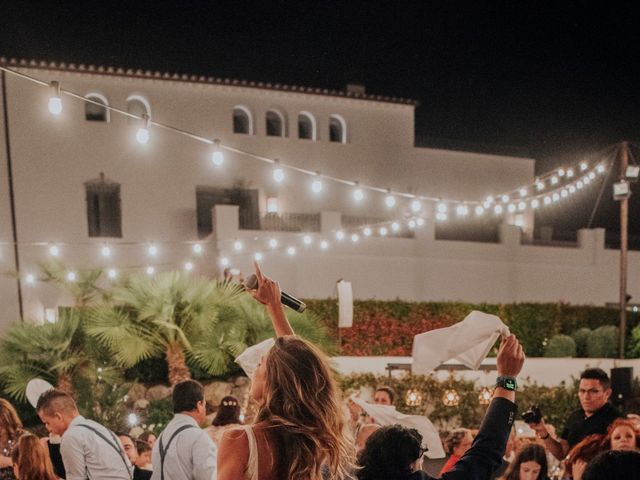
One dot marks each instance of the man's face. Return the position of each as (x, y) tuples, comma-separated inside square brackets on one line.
[(381, 398), (129, 448), (54, 423), (592, 395)]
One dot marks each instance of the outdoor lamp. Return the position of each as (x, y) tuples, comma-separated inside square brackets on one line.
[(621, 190), (413, 398), (631, 173)]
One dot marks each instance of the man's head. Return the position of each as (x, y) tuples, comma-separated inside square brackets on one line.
[(613, 464), (188, 398), (144, 453), (57, 410), (129, 446), (594, 390), (384, 395)]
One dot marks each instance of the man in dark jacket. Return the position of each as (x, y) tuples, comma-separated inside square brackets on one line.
[(395, 452)]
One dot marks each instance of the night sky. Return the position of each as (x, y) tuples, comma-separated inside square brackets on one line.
[(556, 81)]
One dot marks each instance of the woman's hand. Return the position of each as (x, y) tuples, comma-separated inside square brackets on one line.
[(268, 290)]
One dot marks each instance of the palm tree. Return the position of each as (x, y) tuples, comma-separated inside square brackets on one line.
[(168, 314), (84, 288), (56, 352)]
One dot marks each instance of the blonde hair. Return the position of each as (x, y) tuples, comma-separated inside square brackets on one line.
[(10, 423), (302, 408), (32, 459)]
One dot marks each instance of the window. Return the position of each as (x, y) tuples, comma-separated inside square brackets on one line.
[(306, 126), (337, 129), (208, 197), (104, 217), (242, 121), (138, 106), (274, 124), (96, 113)]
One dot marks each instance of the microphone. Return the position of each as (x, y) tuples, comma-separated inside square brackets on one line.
[(290, 301)]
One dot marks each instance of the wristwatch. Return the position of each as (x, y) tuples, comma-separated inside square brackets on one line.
[(508, 383)]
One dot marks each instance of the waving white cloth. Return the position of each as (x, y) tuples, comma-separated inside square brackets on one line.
[(468, 342), (250, 358), (388, 415)]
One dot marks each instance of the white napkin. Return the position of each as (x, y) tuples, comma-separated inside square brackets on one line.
[(468, 342), (388, 415), (250, 358)]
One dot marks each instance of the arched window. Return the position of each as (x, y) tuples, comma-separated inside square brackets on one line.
[(306, 126), (94, 112), (337, 129), (242, 121), (138, 106), (275, 124)]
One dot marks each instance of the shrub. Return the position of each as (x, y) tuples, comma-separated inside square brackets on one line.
[(560, 346), (603, 342), (581, 337)]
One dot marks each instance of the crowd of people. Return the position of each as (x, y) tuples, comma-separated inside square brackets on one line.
[(303, 430)]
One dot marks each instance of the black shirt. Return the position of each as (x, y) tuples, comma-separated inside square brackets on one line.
[(141, 474), (579, 426)]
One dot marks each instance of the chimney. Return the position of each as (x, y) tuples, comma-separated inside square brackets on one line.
[(355, 89)]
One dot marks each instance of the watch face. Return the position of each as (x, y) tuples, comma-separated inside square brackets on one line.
[(509, 384)]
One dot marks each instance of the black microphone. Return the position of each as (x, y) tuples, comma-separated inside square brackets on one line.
[(290, 301)]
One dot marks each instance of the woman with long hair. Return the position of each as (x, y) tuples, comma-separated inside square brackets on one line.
[(582, 453), (530, 464), (227, 416), (300, 429), (31, 459), (621, 435), (10, 431)]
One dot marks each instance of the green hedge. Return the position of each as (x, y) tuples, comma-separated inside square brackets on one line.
[(533, 323)]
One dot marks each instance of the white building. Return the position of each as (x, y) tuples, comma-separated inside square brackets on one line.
[(80, 181)]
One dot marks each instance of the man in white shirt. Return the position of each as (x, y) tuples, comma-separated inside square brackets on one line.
[(89, 450), (184, 451)]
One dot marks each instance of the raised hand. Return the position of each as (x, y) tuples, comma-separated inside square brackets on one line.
[(268, 290), (510, 357)]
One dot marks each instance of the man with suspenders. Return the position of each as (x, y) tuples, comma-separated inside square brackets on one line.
[(184, 451), (89, 450)]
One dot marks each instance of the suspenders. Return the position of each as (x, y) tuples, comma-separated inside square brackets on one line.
[(115, 444), (163, 450)]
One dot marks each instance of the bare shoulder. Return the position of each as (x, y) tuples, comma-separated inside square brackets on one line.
[(233, 454), (235, 435)]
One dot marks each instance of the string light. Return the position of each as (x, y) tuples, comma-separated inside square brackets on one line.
[(442, 208), (498, 209), (71, 276), (489, 200), (224, 262), (316, 186), (30, 278), (420, 221), (152, 250), (358, 194), (547, 200), (523, 192), (237, 245), (105, 251), (395, 226), (535, 203), (55, 102), (579, 184), (340, 235), (555, 197), (273, 243), (522, 206), (383, 231), (112, 273), (307, 239), (600, 168), (583, 166), (505, 198), (217, 157), (564, 193), (197, 249), (258, 256), (441, 216), (291, 251), (390, 200), (511, 208), (188, 266), (411, 224), (479, 210), (355, 238), (142, 135), (324, 244), (561, 172), (554, 180), (540, 185), (278, 172), (150, 270), (367, 232), (570, 173), (54, 251), (416, 206), (462, 210)]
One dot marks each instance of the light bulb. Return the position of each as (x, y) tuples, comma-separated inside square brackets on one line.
[(273, 243), (54, 251), (489, 200), (237, 245), (152, 250), (142, 136), (291, 251), (188, 266), (579, 184), (416, 206), (555, 197), (150, 270), (583, 166), (498, 209), (316, 186), (547, 200), (278, 172), (197, 249), (504, 198), (217, 158), (420, 221), (554, 180), (324, 244), (522, 206), (355, 237), (440, 216), (71, 276), (411, 224), (258, 257), (586, 180), (112, 273), (30, 279), (367, 232), (358, 194), (390, 201), (442, 208), (340, 235), (540, 186), (523, 192), (307, 239), (462, 210), (511, 208), (561, 172), (224, 262), (395, 226), (479, 210), (105, 251), (600, 168), (572, 189), (132, 418), (570, 173), (55, 105), (564, 193), (535, 203), (383, 231)]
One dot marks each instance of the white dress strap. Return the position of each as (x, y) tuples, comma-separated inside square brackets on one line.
[(252, 462)]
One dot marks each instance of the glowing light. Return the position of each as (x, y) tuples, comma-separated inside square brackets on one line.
[(555, 197), (105, 251), (358, 194), (570, 173), (71, 276), (522, 206), (462, 210), (413, 398), (237, 245), (273, 243), (505, 198), (30, 279), (112, 273), (523, 192), (600, 168), (197, 249), (535, 203), (307, 239), (579, 184), (498, 209), (258, 257), (316, 186), (390, 201), (547, 200), (278, 172), (217, 157), (272, 205), (554, 180), (519, 222), (383, 231), (152, 250), (489, 200), (291, 251), (188, 266), (416, 206), (564, 193), (451, 398), (485, 395), (224, 262), (367, 232), (55, 102), (51, 314), (583, 166), (150, 270), (442, 208), (420, 221), (340, 235), (511, 208), (441, 216), (355, 238), (395, 226), (540, 186), (132, 418), (54, 251), (479, 210), (561, 172), (572, 189), (324, 244), (411, 224), (142, 135)]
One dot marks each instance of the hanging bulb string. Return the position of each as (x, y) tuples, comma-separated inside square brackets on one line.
[(268, 160)]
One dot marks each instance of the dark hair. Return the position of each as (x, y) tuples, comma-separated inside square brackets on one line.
[(144, 436), (455, 438), (529, 453), (228, 412), (142, 447), (54, 401), (186, 396), (596, 374), (388, 390), (124, 434), (614, 464), (389, 453)]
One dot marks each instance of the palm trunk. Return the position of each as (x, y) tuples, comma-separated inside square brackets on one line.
[(176, 363), (64, 383)]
